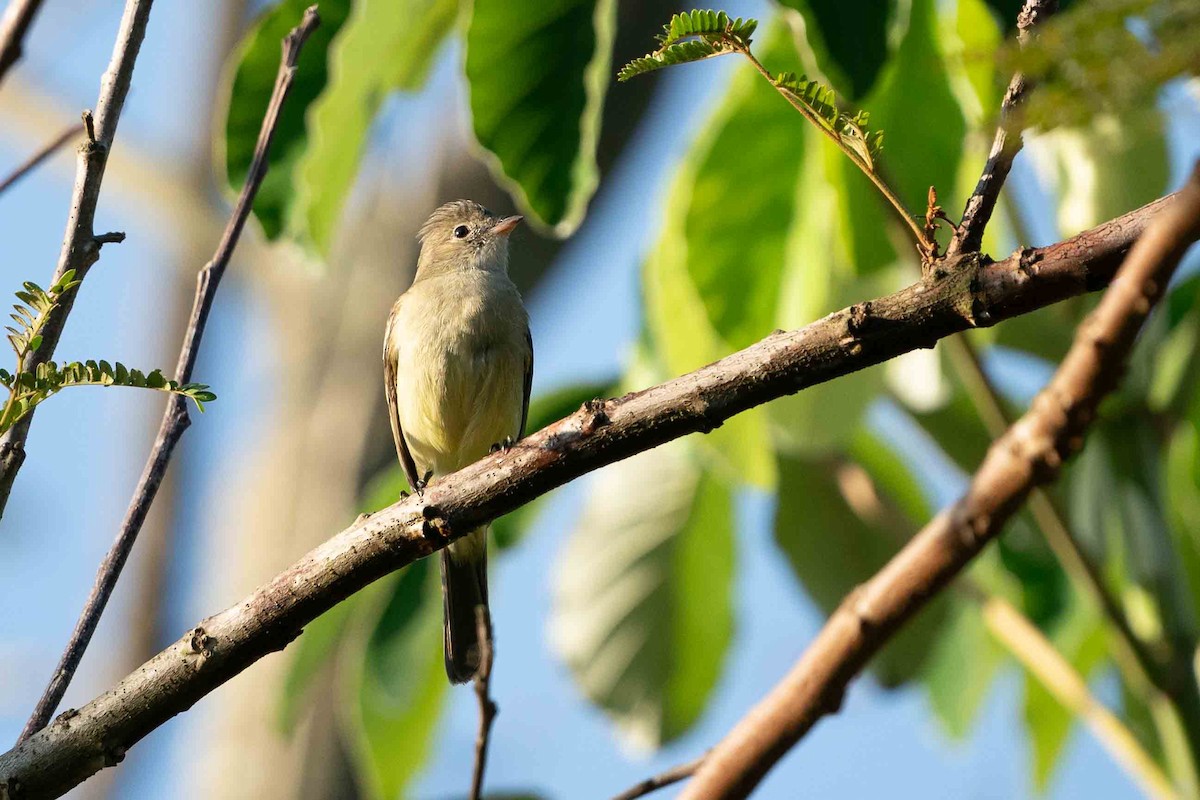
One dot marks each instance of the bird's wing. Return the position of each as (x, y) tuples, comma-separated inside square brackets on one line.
[(528, 382), (390, 363)]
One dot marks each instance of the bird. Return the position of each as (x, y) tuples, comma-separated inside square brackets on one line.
[(458, 368)]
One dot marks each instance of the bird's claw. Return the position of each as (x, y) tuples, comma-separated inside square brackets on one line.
[(505, 445)]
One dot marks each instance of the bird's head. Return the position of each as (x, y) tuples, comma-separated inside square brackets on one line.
[(463, 235)]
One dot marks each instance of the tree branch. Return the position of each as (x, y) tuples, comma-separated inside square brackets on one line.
[(80, 248), (1005, 146), (663, 779), (44, 152), (1030, 453), (487, 706), (947, 301), (175, 418), (18, 16)]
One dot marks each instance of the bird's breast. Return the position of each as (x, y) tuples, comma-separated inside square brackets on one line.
[(461, 353)]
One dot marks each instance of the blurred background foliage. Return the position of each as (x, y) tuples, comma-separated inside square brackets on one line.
[(764, 225), (768, 226)]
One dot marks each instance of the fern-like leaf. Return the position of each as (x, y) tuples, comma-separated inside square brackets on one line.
[(29, 389), (693, 36), (28, 385), (821, 101)]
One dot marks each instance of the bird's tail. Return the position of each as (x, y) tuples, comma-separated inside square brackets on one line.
[(464, 587)]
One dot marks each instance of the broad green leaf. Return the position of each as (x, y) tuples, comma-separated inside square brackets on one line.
[(537, 82), (743, 200), (1080, 638), (916, 107), (257, 60), (1183, 503), (642, 610), (817, 280), (832, 549), (962, 666), (683, 339), (317, 644), (971, 37), (1104, 171), (394, 687), (850, 39), (322, 637), (384, 44)]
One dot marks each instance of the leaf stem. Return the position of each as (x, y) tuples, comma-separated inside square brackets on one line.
[(889, 194)]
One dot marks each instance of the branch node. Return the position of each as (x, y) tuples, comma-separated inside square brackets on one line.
[(89, 126), (112, 237), (595, 416)]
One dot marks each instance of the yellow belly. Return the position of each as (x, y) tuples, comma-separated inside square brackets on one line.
[(462, 352)]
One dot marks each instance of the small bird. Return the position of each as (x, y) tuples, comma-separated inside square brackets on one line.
[(457, 366)]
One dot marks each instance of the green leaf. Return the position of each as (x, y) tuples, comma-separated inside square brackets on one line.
[(1071, 61), (683, 339), (257, 59), (309, 655), (1103, 171), (537, 81), (384, 44), (831, 550), (816, 281), (394, 688), (1080, 638), (956, 691), (915, 104), (743, 199), (716, 34), (850, 39), (642, 610)]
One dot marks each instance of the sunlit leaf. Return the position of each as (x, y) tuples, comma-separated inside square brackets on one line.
[(1103, 171), (537, 83), (915, 104), (257, 62), (384, 44), (642, 608), (1080, 638), (832, 549), (395, 688), (850, 39)]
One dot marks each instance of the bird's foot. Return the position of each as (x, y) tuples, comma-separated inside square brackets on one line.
[(504, 446)]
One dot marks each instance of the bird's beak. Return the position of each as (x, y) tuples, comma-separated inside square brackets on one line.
[(505, 226)]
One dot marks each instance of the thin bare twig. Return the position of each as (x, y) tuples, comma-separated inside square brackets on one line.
[(18, 16), (1030, 453), (81, 246), (175, 418), (62, 754), (47, 150), (968, 238), (487, 707), (663, 779)]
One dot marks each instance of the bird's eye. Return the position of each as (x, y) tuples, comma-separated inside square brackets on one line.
[(461, 232)]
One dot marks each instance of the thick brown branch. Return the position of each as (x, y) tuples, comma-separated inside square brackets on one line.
[(18, 16), (946, 302), (175, 418), (1030, 454), (80, 248), (1005, 146)]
